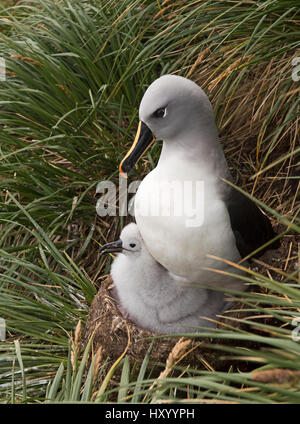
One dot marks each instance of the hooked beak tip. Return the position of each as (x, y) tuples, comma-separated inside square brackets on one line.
[(124, 174), (114, 247), (142, 142)]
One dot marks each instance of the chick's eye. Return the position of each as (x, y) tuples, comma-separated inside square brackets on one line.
[(132, 244), (160, 113)]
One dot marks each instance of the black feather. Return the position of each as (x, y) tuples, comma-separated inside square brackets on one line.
[(250, 226)]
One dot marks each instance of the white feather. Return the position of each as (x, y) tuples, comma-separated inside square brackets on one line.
[(191, 152), (154, 298)]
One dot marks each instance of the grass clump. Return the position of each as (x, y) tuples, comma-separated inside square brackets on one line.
[(76, 72)]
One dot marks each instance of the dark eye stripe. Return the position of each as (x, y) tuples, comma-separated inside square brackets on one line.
[(159, 113)]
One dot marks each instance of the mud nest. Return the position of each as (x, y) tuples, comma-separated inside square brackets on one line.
[(115, 335)]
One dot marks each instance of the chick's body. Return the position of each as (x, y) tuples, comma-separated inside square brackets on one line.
[(155, 299)]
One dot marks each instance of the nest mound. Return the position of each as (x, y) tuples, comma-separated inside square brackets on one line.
[(116, 335)]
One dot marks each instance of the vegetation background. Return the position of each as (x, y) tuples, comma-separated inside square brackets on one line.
[(75, 74)]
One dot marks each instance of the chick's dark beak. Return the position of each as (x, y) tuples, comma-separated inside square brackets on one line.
[(114, 247)]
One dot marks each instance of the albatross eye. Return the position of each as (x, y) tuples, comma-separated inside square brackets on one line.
[(132, 245), (160, 113)]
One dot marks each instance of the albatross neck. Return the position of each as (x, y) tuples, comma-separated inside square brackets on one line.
[(206, 154)]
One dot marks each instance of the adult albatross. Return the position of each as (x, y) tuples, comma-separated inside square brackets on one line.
[(186, 213)]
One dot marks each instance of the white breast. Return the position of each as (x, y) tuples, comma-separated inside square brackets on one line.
[(181, 243)]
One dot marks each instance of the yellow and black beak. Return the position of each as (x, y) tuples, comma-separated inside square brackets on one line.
[(143, 140)]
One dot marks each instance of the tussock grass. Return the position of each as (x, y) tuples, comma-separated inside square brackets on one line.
[(76, 72)]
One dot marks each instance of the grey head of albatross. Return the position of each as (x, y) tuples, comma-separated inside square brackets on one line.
[(177, 111), (153, 298)]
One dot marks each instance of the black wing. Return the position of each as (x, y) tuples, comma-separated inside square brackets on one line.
[(250, 226)]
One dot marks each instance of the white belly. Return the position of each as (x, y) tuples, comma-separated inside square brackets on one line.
[(179, 243)]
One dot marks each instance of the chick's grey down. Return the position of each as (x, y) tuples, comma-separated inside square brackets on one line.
[(153, 298)]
